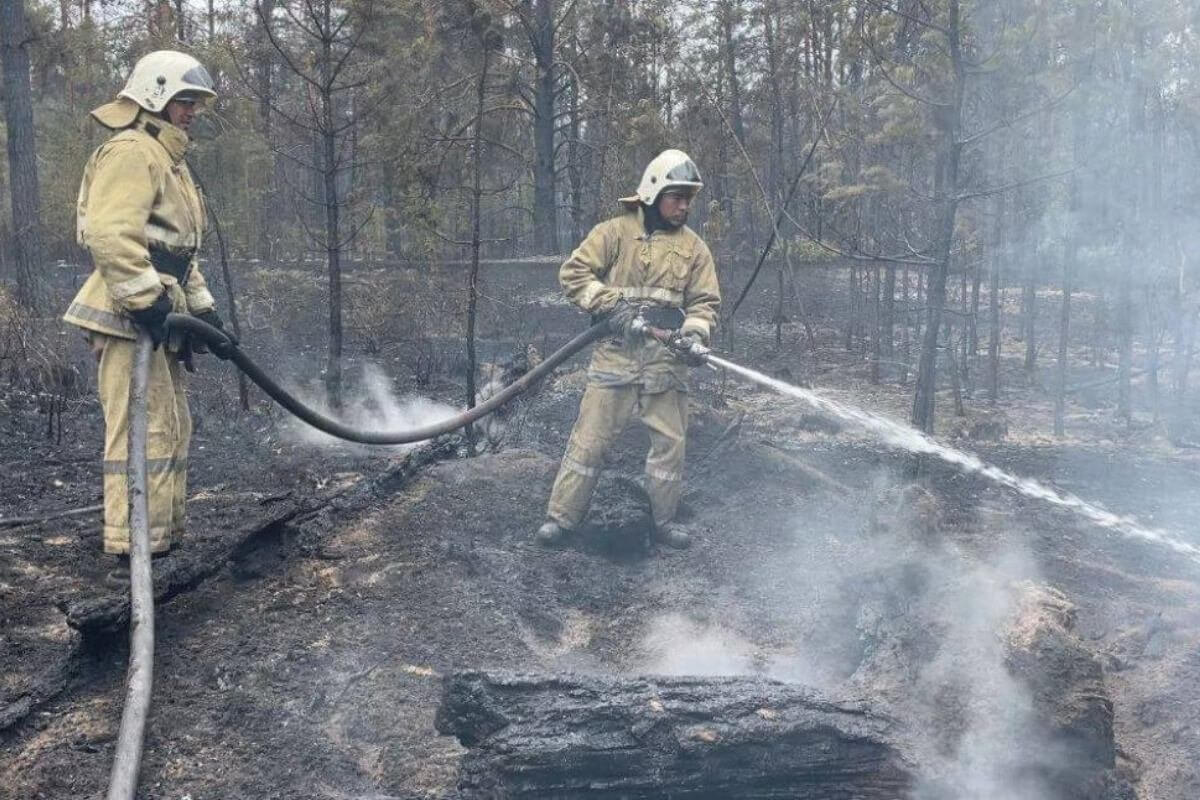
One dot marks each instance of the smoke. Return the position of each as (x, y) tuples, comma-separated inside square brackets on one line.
[(369, 403), (879, 602), (978, 722)]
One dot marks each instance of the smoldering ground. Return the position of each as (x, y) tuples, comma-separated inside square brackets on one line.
[(882, 603), (370, 403)]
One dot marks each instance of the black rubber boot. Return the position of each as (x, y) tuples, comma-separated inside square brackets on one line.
[(118, 576)]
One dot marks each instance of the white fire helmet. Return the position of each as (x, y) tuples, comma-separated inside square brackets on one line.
[(670, 169), (159, 76)]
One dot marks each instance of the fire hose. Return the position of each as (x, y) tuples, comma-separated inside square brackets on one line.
[(220, 342), (140, 676)]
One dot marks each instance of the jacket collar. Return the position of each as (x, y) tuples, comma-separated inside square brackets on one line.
[(638, 214), (173, 140)]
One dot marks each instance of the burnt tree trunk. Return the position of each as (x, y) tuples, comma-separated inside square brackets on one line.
[(888, 334), (599, 737), (1070, 261), (545, 221), (906, 331), (1029, 320), (333, 244), (22, 154), (268, 209), (476, 202), (728, 17), (949, 121), (877, 343), (996, 258)]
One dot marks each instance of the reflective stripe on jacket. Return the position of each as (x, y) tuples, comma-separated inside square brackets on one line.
[(136, 195), (670, 268)]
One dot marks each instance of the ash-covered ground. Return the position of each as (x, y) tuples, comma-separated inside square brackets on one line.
[(334, 586)]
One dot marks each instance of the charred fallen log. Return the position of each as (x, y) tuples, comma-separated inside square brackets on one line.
[(101, 617), (605, 737)]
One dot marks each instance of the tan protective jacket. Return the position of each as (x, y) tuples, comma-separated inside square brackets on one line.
[(669, 268), (137, 193)]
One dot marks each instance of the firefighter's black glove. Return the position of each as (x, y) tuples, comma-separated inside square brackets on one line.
[(152, 319), (211, 317), (621, 317), (690, 347)]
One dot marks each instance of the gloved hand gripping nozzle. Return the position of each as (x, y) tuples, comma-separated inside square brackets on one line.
[(690, 347), (687, 346)]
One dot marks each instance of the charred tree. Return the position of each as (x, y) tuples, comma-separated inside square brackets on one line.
[(947, 117), (996, 258), (268, 210), (476, 209), (603, 737), (545, 205), (728, 16), (1029, 318), (1070, 261), (22, 152), (328, 38)]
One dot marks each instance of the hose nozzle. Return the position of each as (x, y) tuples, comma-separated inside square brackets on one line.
[(691, 351), (640, 325)]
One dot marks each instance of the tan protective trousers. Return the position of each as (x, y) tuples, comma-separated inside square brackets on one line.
[(603, 414), (170, 431)]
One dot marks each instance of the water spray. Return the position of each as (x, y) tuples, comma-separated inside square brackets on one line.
[(907, 438)]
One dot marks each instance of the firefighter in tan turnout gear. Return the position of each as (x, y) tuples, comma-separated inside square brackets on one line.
[(141, 219), (647, 260)]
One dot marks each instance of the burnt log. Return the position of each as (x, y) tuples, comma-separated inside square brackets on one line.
[(100, 618), (575, 736)]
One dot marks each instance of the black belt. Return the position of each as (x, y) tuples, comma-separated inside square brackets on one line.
[(666, 318), (670, 319), (175, 263)]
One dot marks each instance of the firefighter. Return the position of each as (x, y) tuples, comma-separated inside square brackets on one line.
[(644, 260), (141, 218)]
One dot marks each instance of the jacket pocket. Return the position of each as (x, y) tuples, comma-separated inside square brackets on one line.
[(678, 266)]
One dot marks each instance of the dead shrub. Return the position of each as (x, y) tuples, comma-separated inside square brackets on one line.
[(406, 316), (34, 365)]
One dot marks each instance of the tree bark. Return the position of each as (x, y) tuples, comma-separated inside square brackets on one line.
[(994, 327), (596, 737), (545, 211), (333, 245), (476, 202), (949, 122), (1029, 296), (906, 330), (22, 154), (268, 209), (726, 12), (877, 317)]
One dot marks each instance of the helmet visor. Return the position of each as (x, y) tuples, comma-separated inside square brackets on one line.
[(685, 172), (198, 78)]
